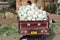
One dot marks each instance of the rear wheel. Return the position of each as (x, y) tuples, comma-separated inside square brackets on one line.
[(32, 38), (24, 39)]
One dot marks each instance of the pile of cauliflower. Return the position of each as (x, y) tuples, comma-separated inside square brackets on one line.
[(31, 12)]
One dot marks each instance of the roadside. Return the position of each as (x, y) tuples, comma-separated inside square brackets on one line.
[(15, 36), (8, 21), (55, 34), (54, 17)]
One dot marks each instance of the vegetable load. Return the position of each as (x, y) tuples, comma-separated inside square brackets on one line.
[(31, 12)]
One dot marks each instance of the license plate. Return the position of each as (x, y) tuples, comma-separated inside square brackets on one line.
[(33, 32)]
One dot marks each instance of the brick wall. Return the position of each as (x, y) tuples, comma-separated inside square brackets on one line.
[(24, 2)]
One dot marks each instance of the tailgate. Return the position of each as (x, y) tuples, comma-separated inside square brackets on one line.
[(33, 24)]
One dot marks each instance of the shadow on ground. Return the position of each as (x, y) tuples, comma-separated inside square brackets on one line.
[(34, 37), (50, 36), (53, 21)]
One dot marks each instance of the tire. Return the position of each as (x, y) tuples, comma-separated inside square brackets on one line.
[(24, 39), (31, 38)]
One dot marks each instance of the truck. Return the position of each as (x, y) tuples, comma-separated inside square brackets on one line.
[(40, 27)]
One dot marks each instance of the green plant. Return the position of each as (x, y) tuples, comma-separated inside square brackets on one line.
[(9, 29), (3, 0), (2, 11), (12, 3), (12, 7), (56, 28), (51, 8), (7, 10), (52, 26)]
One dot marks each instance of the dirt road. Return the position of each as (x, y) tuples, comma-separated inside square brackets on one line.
[(8, 21), (55, 17)]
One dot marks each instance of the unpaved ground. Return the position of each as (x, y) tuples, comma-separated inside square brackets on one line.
[(3, 21), (55, 37), (55, 17), (17, 36), (8, 21), (11, 37)]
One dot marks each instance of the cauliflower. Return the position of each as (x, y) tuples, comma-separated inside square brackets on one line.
[(31, 12)]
